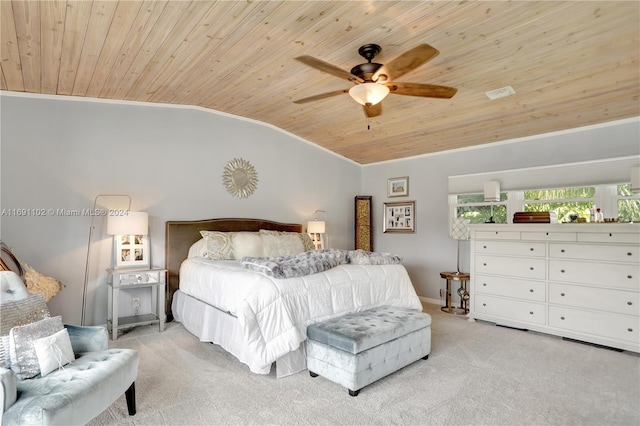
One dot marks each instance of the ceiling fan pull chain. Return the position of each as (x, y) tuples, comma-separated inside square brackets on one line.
[(368, 126)]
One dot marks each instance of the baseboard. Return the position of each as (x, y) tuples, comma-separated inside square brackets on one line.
[(430, 300)]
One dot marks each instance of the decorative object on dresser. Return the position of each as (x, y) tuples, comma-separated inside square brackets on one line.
[(491, 194), (317, 230), (535, 217), (240, 178), (576, 281), (398, 187), (363, 223), (399, 217)]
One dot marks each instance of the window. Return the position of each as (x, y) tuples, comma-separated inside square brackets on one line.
[(474, 208), (628, 204), (564, 202), (617, 201)]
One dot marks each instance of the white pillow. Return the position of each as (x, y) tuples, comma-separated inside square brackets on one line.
[(54, 351), (246, 244), (276, 243), (198, 249)]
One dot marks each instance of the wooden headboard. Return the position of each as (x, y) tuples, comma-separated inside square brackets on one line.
[(180, 235)]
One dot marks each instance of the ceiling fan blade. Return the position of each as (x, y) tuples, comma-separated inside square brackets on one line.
[(328, 68), (372, 110), (408, 61), (424, 90), (321, 96)]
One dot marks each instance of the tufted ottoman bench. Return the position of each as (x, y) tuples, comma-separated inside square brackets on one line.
[(357, 349)]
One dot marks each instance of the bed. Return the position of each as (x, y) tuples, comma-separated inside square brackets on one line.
[(259, 319)]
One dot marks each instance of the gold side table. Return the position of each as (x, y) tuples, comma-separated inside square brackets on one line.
[(463, 292)]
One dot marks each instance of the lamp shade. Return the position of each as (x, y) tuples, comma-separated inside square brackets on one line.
[(368, 93), (635, 179), (460, 229), (492, 190), (316, 227), (134, 223)]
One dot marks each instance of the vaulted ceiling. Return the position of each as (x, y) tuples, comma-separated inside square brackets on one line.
[(571, 64)]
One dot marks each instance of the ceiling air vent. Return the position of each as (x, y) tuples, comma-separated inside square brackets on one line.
[(503, 92)]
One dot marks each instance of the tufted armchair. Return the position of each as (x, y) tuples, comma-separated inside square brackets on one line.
[(74, 393)]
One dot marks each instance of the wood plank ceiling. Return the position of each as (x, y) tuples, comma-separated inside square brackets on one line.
[(571, 63)]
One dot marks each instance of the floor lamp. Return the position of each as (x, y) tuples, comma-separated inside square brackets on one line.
[(459, 231), (94, 213)]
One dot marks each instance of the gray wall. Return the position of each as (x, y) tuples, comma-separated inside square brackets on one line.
[(430, 250), (61, 153)]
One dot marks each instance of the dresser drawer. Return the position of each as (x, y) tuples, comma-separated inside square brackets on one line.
[(512, 266), (518, 310), (600, 274), (609, 237), (549, 236), (510, 287), (603, 299), (497, 235), (595, 252), (511, 248), (613, 326)]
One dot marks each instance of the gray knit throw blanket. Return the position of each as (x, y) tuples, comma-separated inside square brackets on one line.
[(311, 262)]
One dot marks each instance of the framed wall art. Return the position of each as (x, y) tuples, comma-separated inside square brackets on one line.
[(132, 251), (400, 217), (398, 187)]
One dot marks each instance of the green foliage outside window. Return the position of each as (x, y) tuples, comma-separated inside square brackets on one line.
[(628, 209), (563, 209)]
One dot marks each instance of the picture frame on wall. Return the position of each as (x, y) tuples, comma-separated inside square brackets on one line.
[(399, 217), (132, 251), (398, 187)]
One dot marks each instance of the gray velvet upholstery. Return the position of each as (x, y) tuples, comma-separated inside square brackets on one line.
[(76, 393), (357, 349)]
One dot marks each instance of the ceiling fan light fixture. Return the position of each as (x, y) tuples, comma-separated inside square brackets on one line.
[(368, 93)]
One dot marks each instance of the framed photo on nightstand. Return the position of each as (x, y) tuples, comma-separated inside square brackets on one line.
[(132, 251)]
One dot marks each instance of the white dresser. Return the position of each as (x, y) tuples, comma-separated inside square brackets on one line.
[(580, 281)]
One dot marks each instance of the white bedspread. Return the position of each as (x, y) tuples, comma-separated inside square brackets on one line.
[(274, 313)]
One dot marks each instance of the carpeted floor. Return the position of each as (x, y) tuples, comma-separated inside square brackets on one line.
[(477, 374)]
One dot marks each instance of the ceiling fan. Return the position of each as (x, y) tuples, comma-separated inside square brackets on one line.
[(373, 81)]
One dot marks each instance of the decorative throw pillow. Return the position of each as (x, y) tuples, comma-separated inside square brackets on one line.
[(219, 244), (24, 361), (54, 351), (198, 249), (39, 283), (246, 244), (21, 312), (276, 243)]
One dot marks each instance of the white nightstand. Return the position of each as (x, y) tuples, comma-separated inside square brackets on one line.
[(126, 279)]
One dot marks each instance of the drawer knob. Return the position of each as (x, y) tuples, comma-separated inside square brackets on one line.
[(562, 270), (531, 268), (629, 303), (484, 264), (561, 250), (562, 294), (531, 249), (530, 312), (484, 284), (484, 246), (629, 254), (629, 329), (629, 276), (484, 304), (531, 290), (562, 318)]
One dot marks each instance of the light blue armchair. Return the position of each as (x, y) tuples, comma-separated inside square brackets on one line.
[(77, 393)]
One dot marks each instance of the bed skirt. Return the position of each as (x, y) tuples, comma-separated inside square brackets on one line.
[(210, 324)]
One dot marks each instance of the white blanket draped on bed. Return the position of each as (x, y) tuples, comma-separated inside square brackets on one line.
[(274, 313)]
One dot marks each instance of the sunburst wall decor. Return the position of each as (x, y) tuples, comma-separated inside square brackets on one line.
[(240, 178)]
